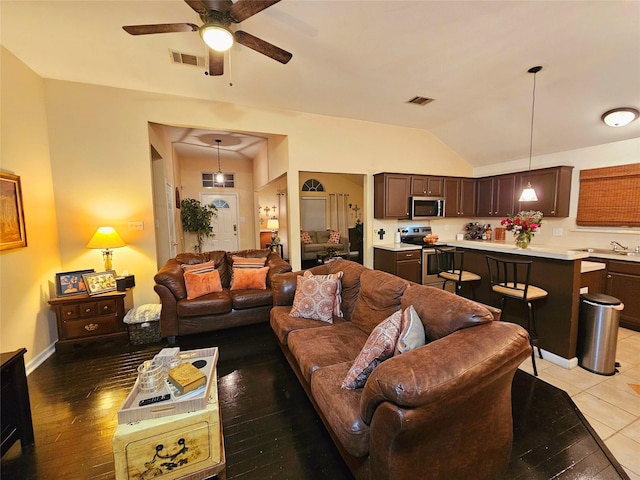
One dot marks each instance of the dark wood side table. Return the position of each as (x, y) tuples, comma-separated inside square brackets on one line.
[(16, 408), (83, 319)]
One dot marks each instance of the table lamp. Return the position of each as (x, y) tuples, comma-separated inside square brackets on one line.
[(106, 238), (273, 225)]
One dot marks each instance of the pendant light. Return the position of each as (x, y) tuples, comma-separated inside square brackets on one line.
[(529, 194), (219, 174)]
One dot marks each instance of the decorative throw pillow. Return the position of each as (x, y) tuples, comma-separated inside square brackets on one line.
[(411, 332), (199, 267), (246, 278), (334, 237), (199, 284), (379, 346), (246, 262), (337, 304), (315, 298), (306, 238)]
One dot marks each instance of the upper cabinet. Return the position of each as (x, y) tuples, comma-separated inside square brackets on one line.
[(391, 193), (459, 195), (495, 196), (552, 187), (426, 185)]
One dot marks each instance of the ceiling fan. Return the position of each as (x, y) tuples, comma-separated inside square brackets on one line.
[(216, 16)]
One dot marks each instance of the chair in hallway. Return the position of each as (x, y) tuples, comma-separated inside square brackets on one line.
[(450, 264), (510, 279)]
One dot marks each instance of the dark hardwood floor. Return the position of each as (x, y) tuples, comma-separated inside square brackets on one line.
[(270, 428)]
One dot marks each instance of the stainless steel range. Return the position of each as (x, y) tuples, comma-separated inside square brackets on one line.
[(415, 236)]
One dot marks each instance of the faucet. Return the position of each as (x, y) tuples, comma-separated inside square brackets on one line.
[(616, 245)]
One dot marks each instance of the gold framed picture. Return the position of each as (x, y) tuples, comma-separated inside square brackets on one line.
[(12, 230), (100, 282)]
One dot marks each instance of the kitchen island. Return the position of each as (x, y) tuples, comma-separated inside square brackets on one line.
[(558, 271)]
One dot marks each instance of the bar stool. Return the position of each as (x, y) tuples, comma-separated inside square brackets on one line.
[(450, 262), (510, 279)]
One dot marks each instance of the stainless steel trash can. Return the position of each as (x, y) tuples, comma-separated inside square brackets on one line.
[(598, 332)]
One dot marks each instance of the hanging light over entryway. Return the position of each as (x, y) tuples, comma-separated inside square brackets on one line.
[(219, 174)]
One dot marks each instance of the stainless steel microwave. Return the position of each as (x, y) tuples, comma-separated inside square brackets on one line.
[(421, 208)]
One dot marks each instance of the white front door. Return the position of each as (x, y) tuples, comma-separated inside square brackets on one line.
[(225, 224)]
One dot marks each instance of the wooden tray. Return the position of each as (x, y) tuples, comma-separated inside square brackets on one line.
[(131, 411)]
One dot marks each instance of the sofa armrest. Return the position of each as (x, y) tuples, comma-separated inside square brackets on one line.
[(276, 266), (169, 312), (446, 370)]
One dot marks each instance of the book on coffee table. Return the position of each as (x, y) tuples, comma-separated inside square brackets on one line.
[(185, 377)]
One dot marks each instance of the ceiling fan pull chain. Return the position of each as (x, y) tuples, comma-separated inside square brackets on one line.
[(230, 70)]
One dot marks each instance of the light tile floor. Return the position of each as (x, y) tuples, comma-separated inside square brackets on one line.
[(610, 403)]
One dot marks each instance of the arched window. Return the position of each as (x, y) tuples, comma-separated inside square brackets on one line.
[(312, 185), (218, 203)]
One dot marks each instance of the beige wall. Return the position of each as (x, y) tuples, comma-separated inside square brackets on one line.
[(26, 274)]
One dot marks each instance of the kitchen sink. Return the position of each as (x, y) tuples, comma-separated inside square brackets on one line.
[(608, 251)]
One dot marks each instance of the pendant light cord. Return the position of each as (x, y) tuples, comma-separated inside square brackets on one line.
[(533, 70)]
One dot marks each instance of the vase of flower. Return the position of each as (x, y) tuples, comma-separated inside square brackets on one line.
[(522, 241), (523, 225)]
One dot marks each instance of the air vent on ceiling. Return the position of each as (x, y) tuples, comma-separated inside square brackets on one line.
[(422, 101), (186, 59)]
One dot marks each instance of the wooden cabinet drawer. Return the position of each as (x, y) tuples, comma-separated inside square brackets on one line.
[(408, 255), (104, 307), (92, 326), (69, 311)]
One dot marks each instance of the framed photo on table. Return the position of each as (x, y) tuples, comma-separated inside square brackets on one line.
[(71, 283), (12, 231), (100, 282)]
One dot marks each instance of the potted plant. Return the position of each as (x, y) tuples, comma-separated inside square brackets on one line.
[(196, 218)]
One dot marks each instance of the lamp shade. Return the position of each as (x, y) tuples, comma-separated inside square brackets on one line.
[(106, 237), (273, 224)]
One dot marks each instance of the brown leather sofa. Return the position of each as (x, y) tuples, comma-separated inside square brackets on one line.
[(213, 311), (440, 411)]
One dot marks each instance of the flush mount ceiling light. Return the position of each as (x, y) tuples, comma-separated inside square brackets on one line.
[(620, 117), (216, 36), (528, 193)]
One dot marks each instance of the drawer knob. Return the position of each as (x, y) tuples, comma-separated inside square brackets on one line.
[(105, 308), (90, 327), (69, 314), (87, 310)]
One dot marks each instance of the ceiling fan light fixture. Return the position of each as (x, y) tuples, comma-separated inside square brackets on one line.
[(620, 117), (216, 36)]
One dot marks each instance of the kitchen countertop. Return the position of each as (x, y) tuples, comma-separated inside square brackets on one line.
[(532, 251), (586, 267), (398, 247)]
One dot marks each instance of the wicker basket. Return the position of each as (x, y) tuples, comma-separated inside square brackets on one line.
[(143, 333)]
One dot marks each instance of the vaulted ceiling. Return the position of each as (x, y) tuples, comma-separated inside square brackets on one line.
[(366, 59)]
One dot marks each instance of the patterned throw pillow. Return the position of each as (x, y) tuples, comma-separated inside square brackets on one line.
[(199, 284), (379, 346), (334, 237), (246, 262), (315, 298), (199, 267), (249, 278), (337, 304), (306, 238), (411, 332)]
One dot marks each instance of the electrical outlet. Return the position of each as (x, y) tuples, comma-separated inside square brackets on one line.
[(557, 232), (136, 225)]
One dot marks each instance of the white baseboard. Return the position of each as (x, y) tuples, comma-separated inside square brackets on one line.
[(567, 363), (40, 358)]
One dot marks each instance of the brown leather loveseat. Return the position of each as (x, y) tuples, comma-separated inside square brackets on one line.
[(217, 310), (439, 411)]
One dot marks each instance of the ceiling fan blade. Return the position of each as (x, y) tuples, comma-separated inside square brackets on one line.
[(198, 6), (262, 46), (160, 28), (203, 7), (243, 9), (216, 63)]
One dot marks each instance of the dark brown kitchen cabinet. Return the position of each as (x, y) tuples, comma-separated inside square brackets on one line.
[(391, 193), (552, 187), (427, 185), (623, 283), (459, 194), (405, 264), (495, 196)]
